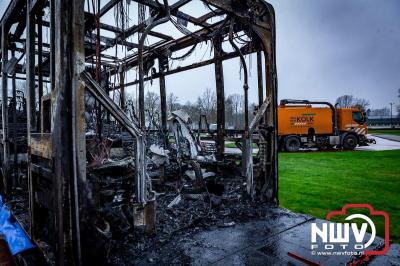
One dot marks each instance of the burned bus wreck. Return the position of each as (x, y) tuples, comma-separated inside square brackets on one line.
[(90, 175)]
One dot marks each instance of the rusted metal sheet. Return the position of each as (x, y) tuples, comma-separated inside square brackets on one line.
[(41, 145), (79, 199), (67, 113)]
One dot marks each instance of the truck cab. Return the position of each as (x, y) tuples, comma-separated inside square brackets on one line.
[(353, 121)]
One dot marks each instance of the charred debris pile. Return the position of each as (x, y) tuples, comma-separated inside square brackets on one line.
[(192, 191)]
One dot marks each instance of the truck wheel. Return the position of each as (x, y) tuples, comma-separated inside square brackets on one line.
[(292, 144), (350, 142)]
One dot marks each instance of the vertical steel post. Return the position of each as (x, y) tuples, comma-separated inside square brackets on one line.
[(122, 89), (78, 181), (14, 112), (4, 111), (219, 84), (271, 171), (52, 45), (99, 122), (143, 37), (269, 189), (61, 130), (40, 66), (163, 97), (260, 78), (30, 103), (68, 126)]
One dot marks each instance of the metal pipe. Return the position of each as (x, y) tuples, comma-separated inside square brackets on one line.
[(52, 46), (30, 101), (260, 78), (219, 85), (163, 97), (140, 60), (135, 130), (225, 57), (246, 78), (122, 90), (40, 67), (99, 123), (4, 111), (14, 111)]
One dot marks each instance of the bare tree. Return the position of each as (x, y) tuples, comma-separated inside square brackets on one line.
[(345, 101), (207, 104), (172, 102), (20, 86), (348, 101), (361, 103), (237, 107), (398, 106), (229, 115), (192, 110), (130, 107), (152, 105)]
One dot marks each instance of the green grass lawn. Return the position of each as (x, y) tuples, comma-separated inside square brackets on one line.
[(385, 131), (318, 182)]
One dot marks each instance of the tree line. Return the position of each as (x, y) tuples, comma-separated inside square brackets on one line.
[(349, 101), (205, 104)]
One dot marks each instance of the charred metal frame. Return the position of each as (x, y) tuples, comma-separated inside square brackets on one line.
[(70, 48)]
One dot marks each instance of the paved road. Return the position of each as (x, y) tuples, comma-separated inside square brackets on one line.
[(258, 241), (382, 144), (388, 136)]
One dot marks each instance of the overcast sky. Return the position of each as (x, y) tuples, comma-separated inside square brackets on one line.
[(3, 6), (324, 49), (330, 48)]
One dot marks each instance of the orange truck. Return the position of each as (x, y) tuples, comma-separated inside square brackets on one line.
[(311, 124)]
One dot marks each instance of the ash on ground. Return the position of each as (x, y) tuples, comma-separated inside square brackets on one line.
[(181, 212)]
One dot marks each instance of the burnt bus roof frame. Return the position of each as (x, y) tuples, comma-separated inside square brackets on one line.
[(66, 61)]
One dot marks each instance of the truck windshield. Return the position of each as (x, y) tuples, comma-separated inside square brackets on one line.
[(358, 117)]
